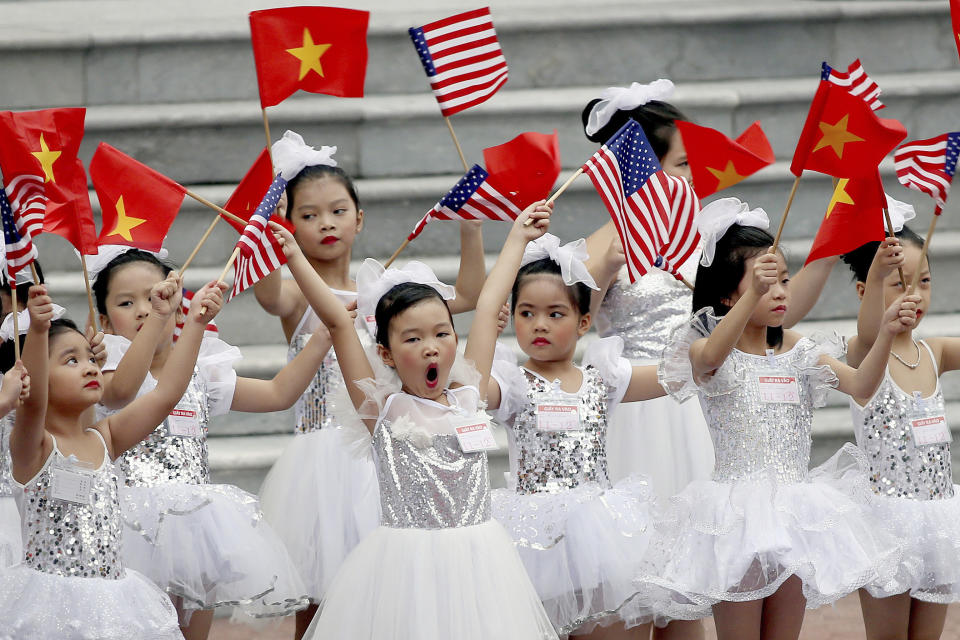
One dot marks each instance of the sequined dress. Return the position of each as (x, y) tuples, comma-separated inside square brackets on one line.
[(71, 583), (764, 516), (9, 516), (206, 543), (438, 566), (581, 538), (666, 441), (917, 496), (319, 497)]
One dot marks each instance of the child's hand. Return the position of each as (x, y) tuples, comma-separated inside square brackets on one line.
[(352, 309), (534, 221), (281, 209), (889, 256), (901, 316), (165, 295), (503, 318), (285, 239), (40, 306), (615, 256), (208, 302), (16, 383), (766, 270), (96, 345)]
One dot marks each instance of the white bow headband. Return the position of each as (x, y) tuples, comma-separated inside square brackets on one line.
[(716, 218), (615, 99), (106, 254), (373, 282), (23, 322), (291, 154), (570, 257)]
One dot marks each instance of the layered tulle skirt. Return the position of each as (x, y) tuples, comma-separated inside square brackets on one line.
[(582, 549), (10, 549), (433, 584), (321, 499), (38, 605), (209, 545)]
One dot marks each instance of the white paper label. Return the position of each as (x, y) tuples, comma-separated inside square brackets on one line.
[(184, 423), (930, 430), (474, 434), (558, 417), (72, 486), (778, 389)]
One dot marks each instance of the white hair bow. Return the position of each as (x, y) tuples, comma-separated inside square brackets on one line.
[(900, 213), (571, 258), (291, 154), (615, 99), (716, 218), (373, 282), (106, 254), (23, 322)]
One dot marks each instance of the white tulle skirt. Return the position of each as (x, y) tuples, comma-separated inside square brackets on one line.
[(321, 499), (664, 440), (739, 541), (930, 531), (582, 549), (10, 549), (209, 545), (433, 584), (39, 605)]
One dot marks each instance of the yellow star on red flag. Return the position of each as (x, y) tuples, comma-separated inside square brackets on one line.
[(836, 136), (125, 224), (727, 177), (840, 196), (46, 158), (309, 55)]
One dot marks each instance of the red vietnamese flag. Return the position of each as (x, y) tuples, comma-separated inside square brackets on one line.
[(717, 162), (316, 49), (45, 180), (525, 168), (248, 194), (854, 217), (955, 18), (842, 136), (137, 204)]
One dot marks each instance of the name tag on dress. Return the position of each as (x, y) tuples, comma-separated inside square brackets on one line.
[(184, 423), (778, 389), (930, 430), (72, 485), (558, 416), (474, 434)]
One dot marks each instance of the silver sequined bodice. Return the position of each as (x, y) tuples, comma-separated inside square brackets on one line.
[(312, 408), (427, 482), (6, 484), (899, 468), (750, 436), (70, 539), (646, 312), (164, 458), (553, 461)]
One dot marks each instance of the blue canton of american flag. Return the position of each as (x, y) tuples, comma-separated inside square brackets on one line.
[(462, 58), (928, 165), (260, 253), (653, 212), (472, 198), (855, 81), (19, 250)]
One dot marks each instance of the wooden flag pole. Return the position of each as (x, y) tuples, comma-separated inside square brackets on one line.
[(396, 253), (16, 325), (923, 254), (786, 210), (196, 249), (556, 194), (891, 234), (223, 212), (686, 282), (453, 135), (86, 282), (33, 270), (266, 130), (223, 274)]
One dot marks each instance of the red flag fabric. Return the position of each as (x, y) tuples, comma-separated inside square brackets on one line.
[(245, 198), (316, 49), (212, 331), (854, 217), (842, 136), (717, 162), (856, 81), (260, 253), (955, 18), (44, 178), (137, 204), (526, 168)]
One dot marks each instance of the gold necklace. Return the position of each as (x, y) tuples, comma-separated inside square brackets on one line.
[(904, 362)]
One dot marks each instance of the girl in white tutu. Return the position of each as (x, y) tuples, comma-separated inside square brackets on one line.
[(206, 545), (72, 583), (580, 537), (321, 499), (439, 566), (765, 536), (14, 389), (903, 431)]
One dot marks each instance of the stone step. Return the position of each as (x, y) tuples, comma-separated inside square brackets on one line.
[(103, 52)]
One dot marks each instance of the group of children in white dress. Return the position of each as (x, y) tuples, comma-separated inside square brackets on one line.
[(626, 513)]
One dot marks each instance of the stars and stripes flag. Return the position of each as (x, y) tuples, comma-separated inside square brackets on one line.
[(462, 58), (210, 332), (18, 248), (472, 198), (260, 253), (653, 212), (856, 81), (928, 165)]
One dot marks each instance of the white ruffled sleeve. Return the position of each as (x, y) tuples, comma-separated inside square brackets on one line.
[(819, 378), (116, 347), (675, 370), (513, 384), (215, 364), (605, 355)]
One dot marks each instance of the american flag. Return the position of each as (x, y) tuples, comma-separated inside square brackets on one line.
[(929, 165), (210, 332), (653, 212), (260, 253), (462, 58), (19, 248), (856, 81), (28, 199), (472, 198)]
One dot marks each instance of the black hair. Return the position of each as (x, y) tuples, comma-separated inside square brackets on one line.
[(315, 172), (397, 300), (720, 280), (579, 293), (23, 290), (860, 259), (657, 118), (58, 326), (102, 284)]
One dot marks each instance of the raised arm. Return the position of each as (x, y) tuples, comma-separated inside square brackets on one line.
[(604, 269), (138, 419), (472, 271), (805, 288), (483, 332), (597, 245), (889, 256), (947, 351)]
